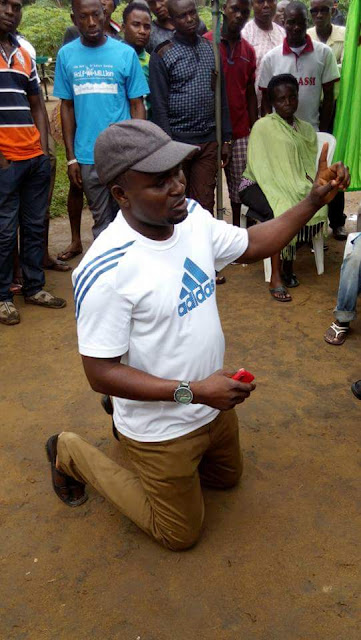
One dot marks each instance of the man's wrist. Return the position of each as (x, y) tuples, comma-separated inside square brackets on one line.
[(72, 161)]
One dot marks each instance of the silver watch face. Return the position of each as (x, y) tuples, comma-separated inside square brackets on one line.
[(183, 395)]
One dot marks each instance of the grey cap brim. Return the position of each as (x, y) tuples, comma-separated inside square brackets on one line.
[(165, 158)]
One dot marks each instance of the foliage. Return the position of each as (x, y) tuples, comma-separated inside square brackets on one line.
[(44, 27), (59, 200), (44, 22)]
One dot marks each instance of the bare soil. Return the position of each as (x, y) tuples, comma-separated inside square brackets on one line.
[(280, 555)]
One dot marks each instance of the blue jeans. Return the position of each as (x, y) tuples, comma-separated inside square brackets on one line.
[(24, 188), (350, 281)]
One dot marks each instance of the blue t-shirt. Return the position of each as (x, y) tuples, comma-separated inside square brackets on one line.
[(100, 81)]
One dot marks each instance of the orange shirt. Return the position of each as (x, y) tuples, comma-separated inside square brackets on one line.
[(19, 137)]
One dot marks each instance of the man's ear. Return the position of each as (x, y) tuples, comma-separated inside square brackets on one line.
[(119, 195)]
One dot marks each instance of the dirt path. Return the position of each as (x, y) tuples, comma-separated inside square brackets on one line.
[(280, 555)]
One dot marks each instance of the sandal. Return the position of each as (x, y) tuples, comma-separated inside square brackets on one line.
[(66, 488), (340, 334), (68, 254), (283, 291)]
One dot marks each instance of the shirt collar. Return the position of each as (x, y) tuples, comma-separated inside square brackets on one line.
[(115, 26), (142, 55), (183, 40), (308, 48), (13, 39)]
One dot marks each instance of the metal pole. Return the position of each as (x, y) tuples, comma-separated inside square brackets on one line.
[(216, 27)]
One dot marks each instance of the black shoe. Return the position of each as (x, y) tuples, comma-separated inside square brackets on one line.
[(107, 405), (115, 431), (340, 233), (356, 389), (290, 280)]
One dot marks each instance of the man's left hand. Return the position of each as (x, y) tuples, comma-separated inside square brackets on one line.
[(226, 154)]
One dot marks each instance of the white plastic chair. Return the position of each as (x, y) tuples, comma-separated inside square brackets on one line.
[(317, 241)]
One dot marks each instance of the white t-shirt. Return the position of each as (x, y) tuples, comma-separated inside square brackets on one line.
[(314, 67), (262, 41), (154, 303), (23, 42)]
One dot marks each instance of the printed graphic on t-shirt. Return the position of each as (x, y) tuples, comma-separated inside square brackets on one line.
[(197, 287), (103, 76), (93, 270)]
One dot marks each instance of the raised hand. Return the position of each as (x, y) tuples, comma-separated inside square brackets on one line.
[(329, 180)]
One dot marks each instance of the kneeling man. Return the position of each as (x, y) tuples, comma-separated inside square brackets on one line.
[(150, 335)]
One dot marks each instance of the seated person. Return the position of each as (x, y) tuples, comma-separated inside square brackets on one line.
[(349, 289), (281, 164)]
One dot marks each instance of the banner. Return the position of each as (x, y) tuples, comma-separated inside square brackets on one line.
[(347, 129)]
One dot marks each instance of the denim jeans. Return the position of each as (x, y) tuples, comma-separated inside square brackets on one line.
[(350, 280), (24, 187)]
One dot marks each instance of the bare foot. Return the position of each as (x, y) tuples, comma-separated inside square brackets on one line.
[(55, 264), (73, 250)]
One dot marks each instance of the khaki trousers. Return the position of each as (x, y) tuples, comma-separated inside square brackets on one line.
[(163, 496)]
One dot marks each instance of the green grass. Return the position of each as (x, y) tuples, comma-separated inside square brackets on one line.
[(58, 204)]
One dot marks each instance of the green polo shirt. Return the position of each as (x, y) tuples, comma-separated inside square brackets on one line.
[(143, 58)]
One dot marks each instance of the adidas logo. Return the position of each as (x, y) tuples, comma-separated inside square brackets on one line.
[(197, 287)]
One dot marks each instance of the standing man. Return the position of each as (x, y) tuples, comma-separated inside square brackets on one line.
[(334, 36), (76, 194), (279, 17), (111, 28), (162, 26), (99, 81), (239, 68), (182, 82), (24, 170), (311, 63), (263, 34), (136, 30), (337, 17), (324, 31), (175, 411), (315, 67)]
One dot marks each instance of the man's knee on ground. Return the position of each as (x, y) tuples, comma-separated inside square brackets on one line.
[(230, 479), (185, 540)]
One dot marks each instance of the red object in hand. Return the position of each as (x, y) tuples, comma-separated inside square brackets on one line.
[(243, 376)]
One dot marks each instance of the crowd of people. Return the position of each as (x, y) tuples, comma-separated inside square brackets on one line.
[(138, 121)]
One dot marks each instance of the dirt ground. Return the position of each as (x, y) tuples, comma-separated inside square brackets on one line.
[(280, 555)]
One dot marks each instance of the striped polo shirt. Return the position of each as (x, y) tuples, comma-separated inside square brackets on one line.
[(19, 137)]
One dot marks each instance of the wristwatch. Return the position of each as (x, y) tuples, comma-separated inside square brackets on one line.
[(183, 393)]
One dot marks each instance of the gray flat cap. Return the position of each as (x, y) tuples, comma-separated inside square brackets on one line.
[(139, 145)]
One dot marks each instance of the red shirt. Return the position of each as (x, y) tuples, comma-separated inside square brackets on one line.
[(239, 68)]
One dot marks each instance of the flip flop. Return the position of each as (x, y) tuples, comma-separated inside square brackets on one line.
[(340, 334), (280, 289), (65, 487), (57, 265), (68, 255)]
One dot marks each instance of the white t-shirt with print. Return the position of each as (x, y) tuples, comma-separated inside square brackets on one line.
[(154, 303), (313, 69)]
